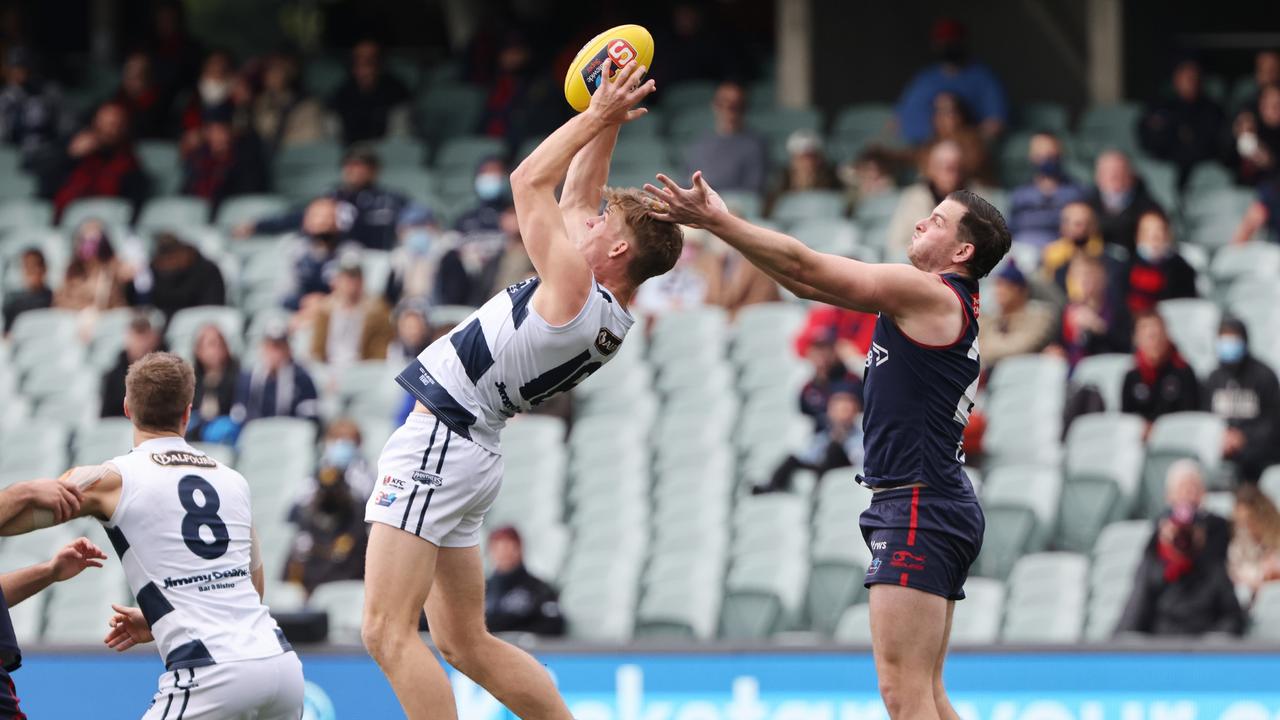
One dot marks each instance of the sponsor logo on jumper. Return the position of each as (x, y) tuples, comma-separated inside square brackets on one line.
[(509, 408), (907, 560), (233, 575), (606, 342), (877, 356), (879, 545), (875, 566), (423, 477), (181, 457), (384, 498), (394, 482), (425, 378)]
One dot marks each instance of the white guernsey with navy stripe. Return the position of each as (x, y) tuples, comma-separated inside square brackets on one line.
[(505, 359), (182, 533)]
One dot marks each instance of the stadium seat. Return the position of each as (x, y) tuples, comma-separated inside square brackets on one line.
[(174, 213), (115, 212), (249, 208), (689, 124), (777, 123), (186, 324), (1043, 117), (344, 602), (1105, 126), (1035, 488), (1253, 260), (1196, 434), (676, 334), (224, 454), (1265, 613), (76, 608), (1193, 328), (399, 152), (763, 327), (1106, 373), (828, 235), (462, 155), (745, 203), (978, 618), (1270, 483), (163, 164), (688, 93), (1103, 476), (808, 205), (448, 111), (641, 152), (104, 439), (1207, 176), (1161, 179), (854, 627), (36, 448), (1046, 600), (25, 213), (863, 121)]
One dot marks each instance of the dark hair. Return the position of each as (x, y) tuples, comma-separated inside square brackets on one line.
[(37, 254), (159, 389), (983, 227)]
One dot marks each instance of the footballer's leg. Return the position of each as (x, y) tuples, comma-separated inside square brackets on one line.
[(455, 612), (399, 570)]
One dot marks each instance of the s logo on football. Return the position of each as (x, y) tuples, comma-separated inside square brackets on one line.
[(621, 53)]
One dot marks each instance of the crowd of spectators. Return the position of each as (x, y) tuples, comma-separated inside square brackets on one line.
[(1094, 256)]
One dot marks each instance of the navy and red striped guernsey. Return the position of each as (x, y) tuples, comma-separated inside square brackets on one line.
[(10, 660), (916, 403)]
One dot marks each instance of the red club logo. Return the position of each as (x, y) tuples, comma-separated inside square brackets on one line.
[(621, 53)]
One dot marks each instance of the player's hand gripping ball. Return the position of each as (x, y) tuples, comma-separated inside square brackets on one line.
[(622, 45)]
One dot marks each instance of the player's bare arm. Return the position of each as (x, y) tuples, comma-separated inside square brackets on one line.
[(899, 291), (69, 562), (566, 277), (584, 185), (82, 491)]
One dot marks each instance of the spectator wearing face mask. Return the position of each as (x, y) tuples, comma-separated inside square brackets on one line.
[(493, 197), (1257, 138), (96, 277), (316, 251), (1158, 272), (482, 264), (943, 173), (515, 600), (218, 93), (1181, 586), (1078, 235), (1187, 128), (1118, 198), (367, 212), (837, 445), (1036, 208), (1160, 382), (331, 538), (1245, 393), (416, 257), (957, 73)]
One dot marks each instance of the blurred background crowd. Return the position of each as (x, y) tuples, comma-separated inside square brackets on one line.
[(302, 218)]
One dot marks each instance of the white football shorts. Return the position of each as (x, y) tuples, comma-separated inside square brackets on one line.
[(268, 688), (434, 483)]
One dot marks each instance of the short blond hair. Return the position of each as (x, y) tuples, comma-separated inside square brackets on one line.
[(158, 390), (657, 243)]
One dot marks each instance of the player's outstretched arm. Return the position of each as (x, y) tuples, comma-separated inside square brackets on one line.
[(584, 185), (68, 563), (83, 491), (566, 277), (893, 289)]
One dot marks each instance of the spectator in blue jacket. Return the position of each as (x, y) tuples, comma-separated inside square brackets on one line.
[(277, 386), (1037, 206), (367, 212), (974, 82)]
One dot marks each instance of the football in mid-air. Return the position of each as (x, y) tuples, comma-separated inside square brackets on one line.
[(623, 45)]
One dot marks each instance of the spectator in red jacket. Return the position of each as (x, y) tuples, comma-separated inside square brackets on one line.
[(225, 162), (102, 161), (851, 329), (1158, 272), (1160, 382)]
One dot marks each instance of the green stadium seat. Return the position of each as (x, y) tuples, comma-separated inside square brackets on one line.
[(1161, 179), (224, 454), (763, 594), (1104, 126), (25, 213), (36, 448), (163, 164), (1155, 469), (778, 123), (416, 182), (854, 627), (103, 439), (1047, 599), (1270, 483), (461, 155), (288, 437), (75, 609), (1265, 613), (765, 326), (676, 333), (1253, 260), (16, 186), (343, 600), (1038, 489), (809, 204), (1207, 176), (1196, 434), (978, 618), (828, 235), (1193, 327), (690, 124), (449, 111), (186, 324), (688, 94), (174, 213), (602, 611), (115, 212), (1043, 116), (645, 153), (863, 121), (742, 202), (1105, 372), (44, 323), (249, 208)]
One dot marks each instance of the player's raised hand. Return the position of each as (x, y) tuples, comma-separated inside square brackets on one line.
[(693, 206), (60, 498), (128, 628), (77, 555), (615, 102)]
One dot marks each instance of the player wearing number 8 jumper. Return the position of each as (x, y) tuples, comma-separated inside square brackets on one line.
[(181, 525), (440, 472)]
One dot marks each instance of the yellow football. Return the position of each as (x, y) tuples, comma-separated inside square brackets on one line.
[(623, 45)]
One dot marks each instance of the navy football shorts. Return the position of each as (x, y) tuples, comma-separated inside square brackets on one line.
[(920, 539)]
